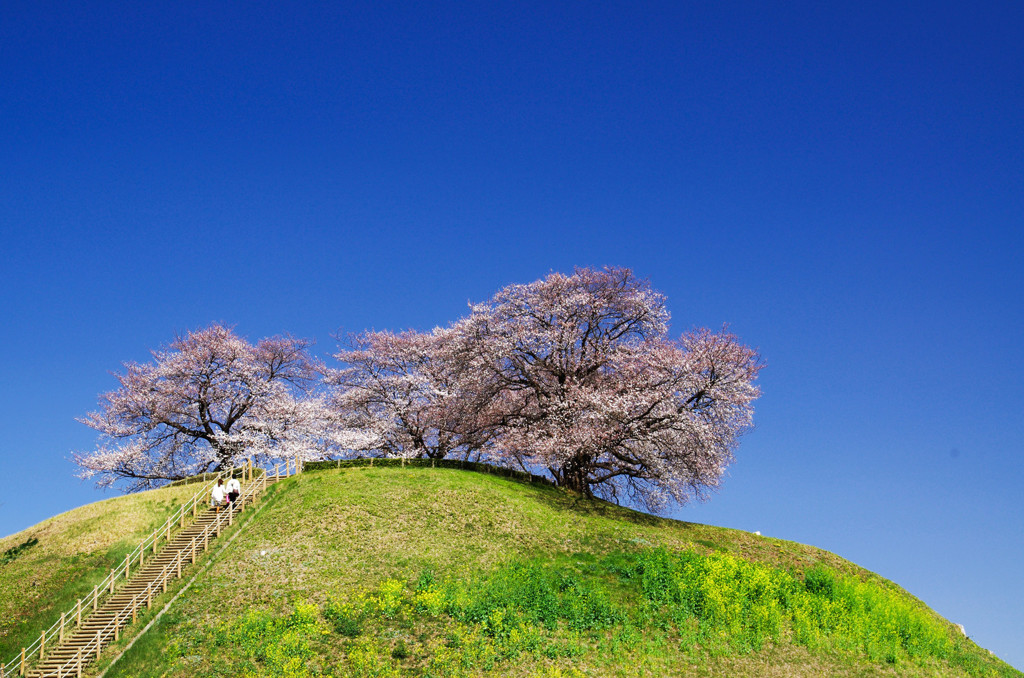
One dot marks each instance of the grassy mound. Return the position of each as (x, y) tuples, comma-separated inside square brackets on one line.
[(438, 572)]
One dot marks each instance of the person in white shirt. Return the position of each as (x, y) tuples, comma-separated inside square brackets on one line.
[(217, 495), (234, 489)]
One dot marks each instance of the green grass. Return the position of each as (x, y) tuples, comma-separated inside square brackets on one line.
[(647, 609), (436, 572)]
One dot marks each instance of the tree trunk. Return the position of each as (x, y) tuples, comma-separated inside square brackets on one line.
[(574, 475)]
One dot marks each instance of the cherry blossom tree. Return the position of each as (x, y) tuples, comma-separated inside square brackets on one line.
[(578, 376), (205, 402), (404, 392)]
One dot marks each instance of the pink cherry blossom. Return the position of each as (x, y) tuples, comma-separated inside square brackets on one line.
[(206, 401), (405, 392), (578, 376)]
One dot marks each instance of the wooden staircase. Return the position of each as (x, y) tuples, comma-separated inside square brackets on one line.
[(84, 642)]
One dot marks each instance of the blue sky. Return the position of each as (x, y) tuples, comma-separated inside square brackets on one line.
[(844, 186)]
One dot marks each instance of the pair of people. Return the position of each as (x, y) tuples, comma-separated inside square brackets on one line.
[(225, 494)]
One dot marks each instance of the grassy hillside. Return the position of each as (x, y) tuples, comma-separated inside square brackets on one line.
[(435, 572)]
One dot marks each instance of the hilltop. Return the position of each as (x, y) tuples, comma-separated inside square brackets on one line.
[(442, 572)]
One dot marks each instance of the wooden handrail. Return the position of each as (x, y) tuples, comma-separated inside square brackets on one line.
[(19, 662), (121, 618)]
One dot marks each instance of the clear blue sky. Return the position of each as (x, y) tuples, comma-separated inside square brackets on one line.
[(844, 185)]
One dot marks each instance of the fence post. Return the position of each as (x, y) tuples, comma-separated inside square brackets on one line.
[(126, 568), (135, 612), (42, 644), (113, 575), (99, 643), (60, 635), (23, 661), (78, 613), (78, 672), (95, 596)]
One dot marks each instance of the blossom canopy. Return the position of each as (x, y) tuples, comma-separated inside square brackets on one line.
[(206, 401)]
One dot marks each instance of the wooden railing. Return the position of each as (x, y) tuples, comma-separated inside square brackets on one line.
[(111, 632), (135, 560)]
